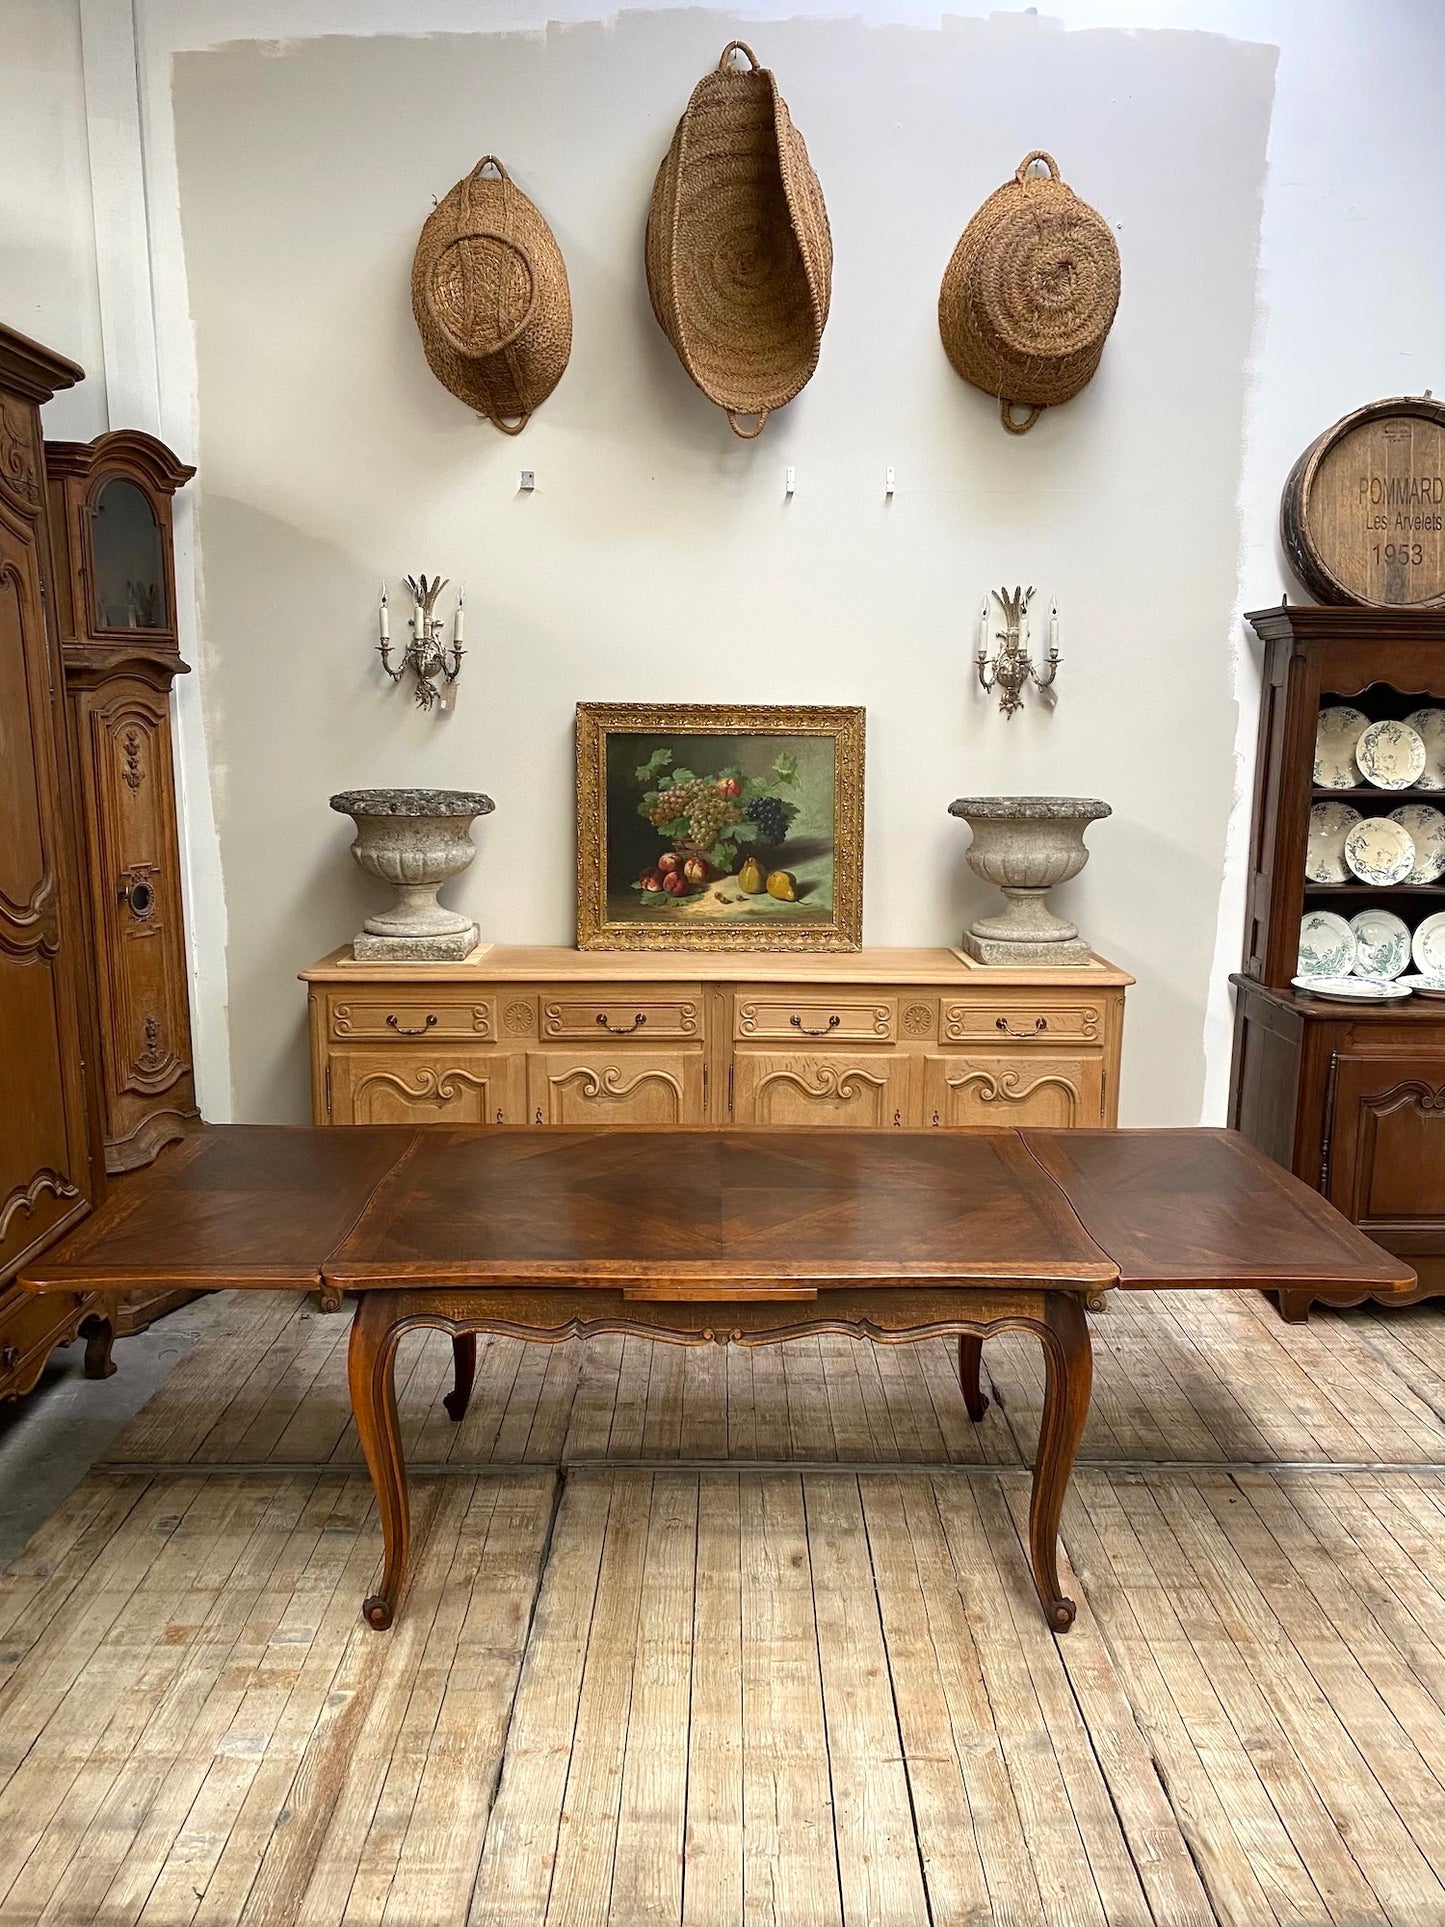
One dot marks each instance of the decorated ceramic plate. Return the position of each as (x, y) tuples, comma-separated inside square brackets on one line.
[(1382, 943), (1326, 945), (1426, 826), (1428, 946), (1391, 755), (1429, 726), (1336, 734), (1330, 824), (1352, 990), (1425, 986), (1379, 850)]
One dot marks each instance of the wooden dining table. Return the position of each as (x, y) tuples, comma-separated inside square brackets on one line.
[(695, 1237)]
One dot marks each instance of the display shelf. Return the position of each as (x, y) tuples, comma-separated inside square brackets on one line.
[(1374, 889), (1371, 793)]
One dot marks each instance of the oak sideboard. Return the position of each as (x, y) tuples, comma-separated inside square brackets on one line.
[(876, 1039)]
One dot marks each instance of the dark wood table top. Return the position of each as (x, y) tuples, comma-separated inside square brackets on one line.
[(367, 1207)]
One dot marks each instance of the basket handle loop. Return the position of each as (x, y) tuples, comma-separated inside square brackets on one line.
[(738, 47), (510, 428), (1021, 171), (746, 434), (488, 160), (1005, 408)]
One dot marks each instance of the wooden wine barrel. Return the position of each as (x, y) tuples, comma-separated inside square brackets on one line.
[(1363, 512)]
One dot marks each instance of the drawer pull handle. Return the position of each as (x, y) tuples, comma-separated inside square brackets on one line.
[(1003, 1024), (604, 1022), (9, 1357), (832, 1024), (409, 1030)]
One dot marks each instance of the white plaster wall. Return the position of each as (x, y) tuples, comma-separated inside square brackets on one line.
[(47, 237), (1350, 284)]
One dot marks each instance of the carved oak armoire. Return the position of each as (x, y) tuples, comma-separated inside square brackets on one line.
[(95, 1057), (51, 1168)]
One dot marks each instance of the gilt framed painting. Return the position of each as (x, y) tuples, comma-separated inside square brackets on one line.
[(703, 827)]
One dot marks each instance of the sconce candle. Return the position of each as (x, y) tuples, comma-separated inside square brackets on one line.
[(457, 623), (1012, 668), (425, 655)]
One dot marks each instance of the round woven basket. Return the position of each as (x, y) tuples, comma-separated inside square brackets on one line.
[(489, 292), (739, 255), (1030, 293)]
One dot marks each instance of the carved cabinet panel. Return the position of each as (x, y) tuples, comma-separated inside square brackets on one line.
[(46, 1180), (628, 1086), (122, 735), (1043, 1089), (426, 1086), (860, 1090), (1385, 1157)]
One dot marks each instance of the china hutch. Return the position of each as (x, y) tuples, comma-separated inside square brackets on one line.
[(1350, 1097), (95, 1069)]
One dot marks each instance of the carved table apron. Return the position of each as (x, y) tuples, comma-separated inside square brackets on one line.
[(892, 1236)]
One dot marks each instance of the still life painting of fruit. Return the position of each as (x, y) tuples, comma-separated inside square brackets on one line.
[(723, 836)]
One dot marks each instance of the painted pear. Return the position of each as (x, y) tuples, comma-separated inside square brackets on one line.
[(750, 877), (783, 885)]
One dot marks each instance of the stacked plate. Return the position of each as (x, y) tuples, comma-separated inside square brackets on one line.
[(1350, 750), (1367, 960)]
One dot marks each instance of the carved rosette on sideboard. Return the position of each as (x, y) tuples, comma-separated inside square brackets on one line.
[(110, 516)]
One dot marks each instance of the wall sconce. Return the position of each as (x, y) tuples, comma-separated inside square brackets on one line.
[(1011, 669), (426, 654)]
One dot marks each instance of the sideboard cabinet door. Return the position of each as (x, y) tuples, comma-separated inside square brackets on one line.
[(1385, 1159), (588, 1087), (46, 1180), (1044, 1090), (858, 1090), (415, 1086)]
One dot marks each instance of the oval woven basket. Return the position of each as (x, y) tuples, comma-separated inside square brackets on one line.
[(490, 296), (739, 254), (1030, 294)]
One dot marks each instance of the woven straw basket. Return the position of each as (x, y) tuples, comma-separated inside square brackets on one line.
[(739, 256), (489, 292), (1030, 294)]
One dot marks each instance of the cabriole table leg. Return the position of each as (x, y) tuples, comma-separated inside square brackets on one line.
[(970, 1370), (371, 1370), (464, 1372), (1069, 1374)]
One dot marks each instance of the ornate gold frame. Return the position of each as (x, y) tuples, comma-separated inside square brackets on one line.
[(845, 725)]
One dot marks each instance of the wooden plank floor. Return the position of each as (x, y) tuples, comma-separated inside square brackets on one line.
[(767, 1652)]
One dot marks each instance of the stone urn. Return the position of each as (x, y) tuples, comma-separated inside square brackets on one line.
[(1027, 844), (415, 840)]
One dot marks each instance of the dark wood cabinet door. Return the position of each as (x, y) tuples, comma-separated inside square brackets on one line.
[(45, 1167), (1385, 1159), (124, 752)]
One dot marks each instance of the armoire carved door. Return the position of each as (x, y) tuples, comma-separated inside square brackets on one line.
[(47, 1167)]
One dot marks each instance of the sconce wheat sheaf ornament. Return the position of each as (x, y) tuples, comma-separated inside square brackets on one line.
[(1030, 294), (739, 253), (489, 292)]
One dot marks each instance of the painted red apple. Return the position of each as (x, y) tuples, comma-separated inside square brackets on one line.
[(697, 869), (652, 879), (729, 786), (675, 883), (669, 861)]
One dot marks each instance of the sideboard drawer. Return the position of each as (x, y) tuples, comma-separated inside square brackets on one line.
[(786, 1017), (605, 1012), (412, 1014), (1022, 1020)]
